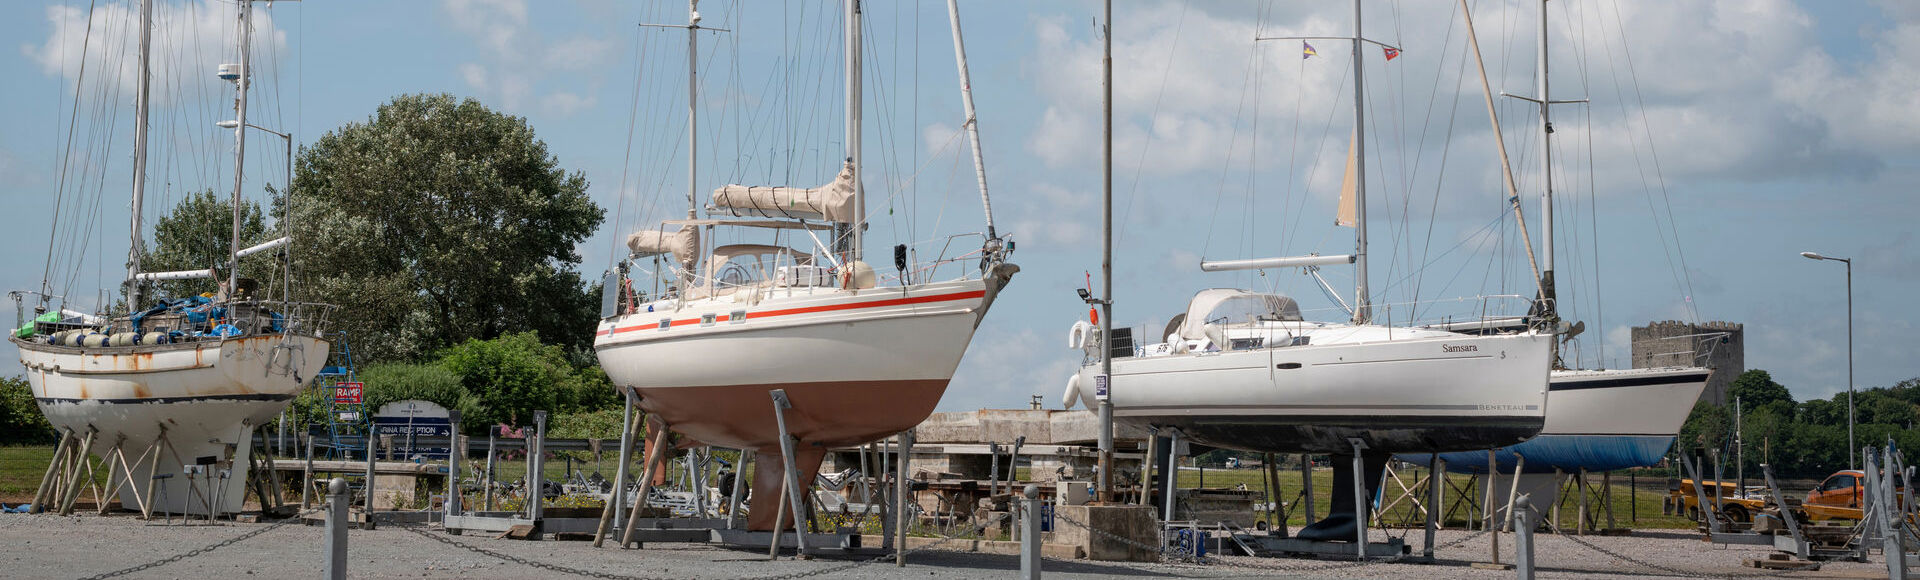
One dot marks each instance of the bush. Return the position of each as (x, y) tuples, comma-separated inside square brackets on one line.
[(386, 383), (21, 422)]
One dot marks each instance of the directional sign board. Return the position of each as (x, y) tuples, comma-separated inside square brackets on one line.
[(348, 393), (410, 421)]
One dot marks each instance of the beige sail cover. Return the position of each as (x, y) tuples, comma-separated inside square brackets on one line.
[(1232, 306), (683, 244), (832, 202)]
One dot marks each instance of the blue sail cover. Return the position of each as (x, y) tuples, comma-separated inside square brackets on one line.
[(1567, 453)]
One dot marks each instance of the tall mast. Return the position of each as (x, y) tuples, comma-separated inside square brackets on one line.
[(140, 153), (972, 122), (1362, 305), (1546, 170), (240, 138), (1106, 253), (693, 107), (853, 129)]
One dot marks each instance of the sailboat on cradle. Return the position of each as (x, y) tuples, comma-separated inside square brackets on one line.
[(169, 394), (1600, 420), (1245, 370), (706, 333)]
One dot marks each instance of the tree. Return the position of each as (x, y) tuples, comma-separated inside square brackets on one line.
[(512, 376), (389, 382), (1756, 389), (198, 234), (438, 221), (21, 422)]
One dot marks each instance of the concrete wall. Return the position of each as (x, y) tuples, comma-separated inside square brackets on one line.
[(1720, 346)]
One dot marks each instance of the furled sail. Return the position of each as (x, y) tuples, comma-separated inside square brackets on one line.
[(683, 244), (1347, 215), (832, 202)]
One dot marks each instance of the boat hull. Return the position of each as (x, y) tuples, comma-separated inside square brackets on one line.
[(189, 404), (1425, 394), (1598, 421), (856, 365)]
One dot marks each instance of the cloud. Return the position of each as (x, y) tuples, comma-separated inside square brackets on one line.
[(518, 64), (188, 40), (1006, 365)]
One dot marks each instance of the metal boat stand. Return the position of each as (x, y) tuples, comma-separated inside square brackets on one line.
[(790, 501), (1360, 548)]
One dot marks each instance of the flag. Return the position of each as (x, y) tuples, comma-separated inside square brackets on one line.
[(1306, 50), (1391, 52)]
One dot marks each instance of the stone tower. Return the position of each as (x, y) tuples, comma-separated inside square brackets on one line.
[(1720, 346)]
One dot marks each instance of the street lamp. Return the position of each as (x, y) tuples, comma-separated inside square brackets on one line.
[(1816, 256)]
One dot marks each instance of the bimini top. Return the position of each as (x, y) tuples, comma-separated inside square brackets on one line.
[(1233, 306)]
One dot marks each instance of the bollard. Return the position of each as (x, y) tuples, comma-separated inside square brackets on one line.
[(1523, 537), (1030, 533), (337, 500)]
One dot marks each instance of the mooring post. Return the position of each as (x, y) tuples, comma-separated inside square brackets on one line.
[(336, 546), (902, 495), (1030, 533), (794, 488), (1522, 510), (1173, 472), (536, 471), (1360, 504), (306, 477), (1436, 477), (455, 454), (486, 491), (373, 444)]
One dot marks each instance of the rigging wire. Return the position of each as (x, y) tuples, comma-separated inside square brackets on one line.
[(1133, 190)]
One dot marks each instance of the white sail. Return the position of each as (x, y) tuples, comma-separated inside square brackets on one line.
[(832, 202)]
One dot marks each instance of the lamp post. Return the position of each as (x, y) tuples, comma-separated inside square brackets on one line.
[(1816, 256)]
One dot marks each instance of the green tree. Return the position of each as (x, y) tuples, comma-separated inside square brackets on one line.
[(21, 422), (512, 376), (389, 382), (198, 234), (1823, 412), (438, 221), (1756, 389)]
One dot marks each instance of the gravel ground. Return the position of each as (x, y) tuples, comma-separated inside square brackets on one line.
[(46, 546)]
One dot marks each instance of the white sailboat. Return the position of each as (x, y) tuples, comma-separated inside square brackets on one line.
[(860, 356), (170, 394), (1244, 370), (1599, 420)]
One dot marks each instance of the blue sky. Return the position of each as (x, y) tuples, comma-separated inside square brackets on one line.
[(1738, 135)]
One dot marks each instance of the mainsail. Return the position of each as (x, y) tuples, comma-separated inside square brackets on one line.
[(832, 202)]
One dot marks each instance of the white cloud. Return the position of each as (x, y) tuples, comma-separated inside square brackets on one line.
[(189, 39), (518, 64)]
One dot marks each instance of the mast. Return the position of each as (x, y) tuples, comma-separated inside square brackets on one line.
[(853, 130), (972, 122), (1546, 171), (140, 153), (1362, 305), (693, 107), (1106, 254), (240, 138)]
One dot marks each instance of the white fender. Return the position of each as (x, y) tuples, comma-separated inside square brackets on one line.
[(1072, 396), (1077, 337)]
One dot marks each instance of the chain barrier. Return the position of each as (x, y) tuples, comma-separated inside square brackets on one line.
[(205, 549), (424, 531)]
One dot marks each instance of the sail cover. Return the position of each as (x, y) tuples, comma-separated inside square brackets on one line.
[(683, 244), (1234, 307), (832, 202)]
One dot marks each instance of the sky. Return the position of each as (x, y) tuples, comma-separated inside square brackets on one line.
[(1717, 141)]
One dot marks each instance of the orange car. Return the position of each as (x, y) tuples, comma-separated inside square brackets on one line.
[(1842, 489)]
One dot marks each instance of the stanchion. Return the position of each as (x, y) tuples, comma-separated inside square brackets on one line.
[(306, 478), (536, 472), (1522, 510), (901, 496), (373, 444), (456, 453), (1030, 533), (337, 501)]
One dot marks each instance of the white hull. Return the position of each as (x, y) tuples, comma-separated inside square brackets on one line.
[(202, 398), (1419, 390), (1623, 402), (903, 343)]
